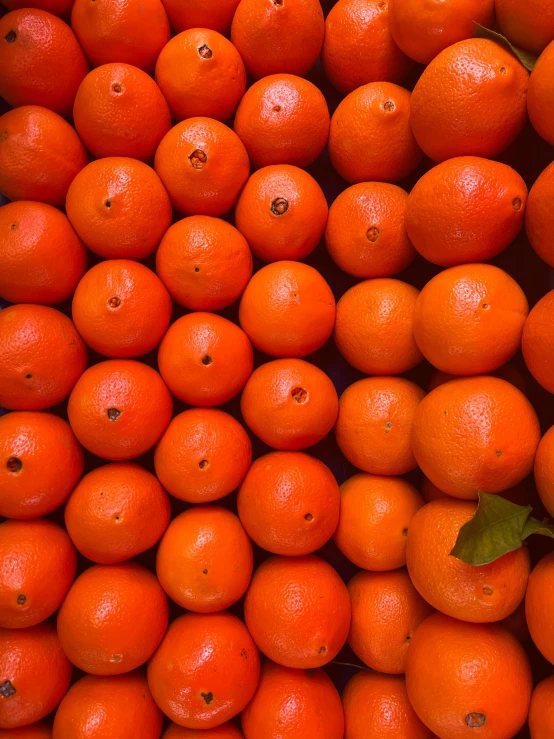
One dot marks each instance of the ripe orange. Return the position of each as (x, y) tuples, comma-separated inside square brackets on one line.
[(541, 94), (287, 309), (119, 409), (537, 342), (282, 213), (541, 710), (38, 730), (223, 731), (289, 404), (530, 26), (544, 470), (539, 601), (201, 14), (537, 215), (116, 512), (203, 456)]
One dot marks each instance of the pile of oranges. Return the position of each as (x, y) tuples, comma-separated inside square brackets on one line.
[(219, 301)]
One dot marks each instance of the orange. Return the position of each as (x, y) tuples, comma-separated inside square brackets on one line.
[(283, 119), (537, 342), (40, 154), (541, 710), (61, 8), (116, 512), (470, 100), (203, 456), (41, 62), (282, 213), (106, 115), (462, 677), (41, 357), (544, 470), (289, 404), (203, 166), (119, 409), (370, 137), (289, 503), (506, 372), (541, 94), (468, 320), (365, 234), (201, 73), (119, 207), (204, 560), (205, 359), (537, 215), (530, 26), (287, 309), (475, 433), (538, 606), (297, 610), (278, 36), (38, 730), (117, 707), (374, 328), (201, 14), (467, 209), (205, 670), (113, 618), (40, 463), (375, 515), (480, 594), (223, 731), (374, 424), (293, 704)]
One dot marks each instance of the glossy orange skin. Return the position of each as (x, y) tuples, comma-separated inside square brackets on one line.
[(113, 618), (538, 606), (119, 208), (201, 73), (205, 359), (118, 707), (537, 342), (297, 610), (459, 673), (116, 512), (293, 704), (205, 670), (132, 388), (544, 470), (51, 463), (541, 710), (479, 594), (374, 424), (289, 503), (26, 657), (282, 213), (287, 309), (289, 404), (37, 730), (204, 560), (530, 26), (201, 14), (40, 154), (194, 438), (538, 225), (282, 119), (375, 515), (224, 731), (541, 95), (203, 166)]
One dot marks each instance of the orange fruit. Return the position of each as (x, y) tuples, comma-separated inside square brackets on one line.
[(544, 470), (374, 424), (506, 372), (365, 234), (203, 166), (461, 677), (223, 731), (41, 62), (282, 213), (470, 100), (105, 113), (205, 359), (40, 154), (538, 606), (278, 37), (283, 119), (200, 14), (201, 73), (530, 26), (537, 215), (61, 8), (119, 207), (541, 710), (116, 512), (38, 730), (370, 137), (297, 610), (289, 503), (374, 327), (289, 404), (292, 704), (479, 594), (118, 706), (541, 94), (113, 618), (203, 456), (537, 342), (41, 357), (375, 515), (205, 670), (475, 433), (119, 409), (287, 309), (40, 463), (204, 560)]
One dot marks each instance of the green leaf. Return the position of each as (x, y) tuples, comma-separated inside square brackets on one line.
[(525, 57), (532, 526)]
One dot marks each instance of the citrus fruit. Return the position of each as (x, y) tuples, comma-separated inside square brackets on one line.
[(201, 14), (538, 606), (544, 470), (227, 730), (530, 26), (541, 710), (507, 372), (537, 342), (541, 94), (538, 222)]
